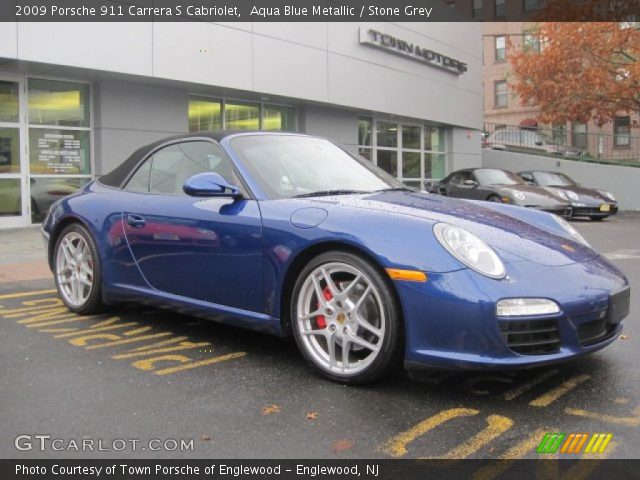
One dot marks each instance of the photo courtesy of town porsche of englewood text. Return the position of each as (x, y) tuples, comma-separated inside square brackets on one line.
[(374, 239)]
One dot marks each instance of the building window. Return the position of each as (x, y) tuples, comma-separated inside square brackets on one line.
[(216, 114), (281, 118), (622, 131), (364, 137), (533, 5), (477, 8), (59, 137), (501, 49), (500, 9), (410, 152), (205, 115), (500, 93), (579, 135), (531, 43)]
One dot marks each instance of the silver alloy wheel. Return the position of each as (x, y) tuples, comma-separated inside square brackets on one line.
[(340, 318), (74, 269)]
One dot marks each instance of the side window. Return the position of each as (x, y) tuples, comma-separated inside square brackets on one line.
[(168, 168), (464, 176), (455, 179), (139, 182)]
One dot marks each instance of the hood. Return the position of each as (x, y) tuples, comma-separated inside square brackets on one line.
[(513, 237), (585, 194), (535, 196)]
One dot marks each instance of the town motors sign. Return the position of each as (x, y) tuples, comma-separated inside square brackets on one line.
[(389, 43)]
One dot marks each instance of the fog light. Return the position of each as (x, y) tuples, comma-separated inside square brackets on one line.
[(522, 307)]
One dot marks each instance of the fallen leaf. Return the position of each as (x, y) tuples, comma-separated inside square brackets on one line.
[(312, 415), (206, 438), (270, 409), (623, 337), (342, 445)]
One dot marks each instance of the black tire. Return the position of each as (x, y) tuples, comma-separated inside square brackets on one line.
[(391, 351), (494, 198), (597, 218), (93, 303)]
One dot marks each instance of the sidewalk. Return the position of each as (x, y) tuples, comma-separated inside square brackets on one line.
[(22, 255)]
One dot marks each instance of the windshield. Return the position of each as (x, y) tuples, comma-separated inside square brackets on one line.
[(286, 166), (550, 179), (497, 177)]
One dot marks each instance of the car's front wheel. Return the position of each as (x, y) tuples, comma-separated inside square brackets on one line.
[(345, 318), (77, 270)]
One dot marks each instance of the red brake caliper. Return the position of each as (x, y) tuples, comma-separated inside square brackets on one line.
[(322, 322)]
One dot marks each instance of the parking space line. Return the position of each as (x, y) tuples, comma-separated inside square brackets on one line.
[(95, 329), (201, 363), (26, 294), (496, 426), (633, 421), (397, 445), (525, 387), (117, 341), (548, 398)]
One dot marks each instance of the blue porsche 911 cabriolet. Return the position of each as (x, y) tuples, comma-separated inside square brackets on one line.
[(290, 234)]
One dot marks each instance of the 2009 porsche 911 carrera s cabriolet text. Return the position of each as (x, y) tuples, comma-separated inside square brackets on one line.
[(290, 234)]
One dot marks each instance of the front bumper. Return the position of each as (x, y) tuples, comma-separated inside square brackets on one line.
[(460, 329), (594, 210)]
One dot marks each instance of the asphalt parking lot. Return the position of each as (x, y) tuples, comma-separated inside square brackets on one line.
[(138, 373)]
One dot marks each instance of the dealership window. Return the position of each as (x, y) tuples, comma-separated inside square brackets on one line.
[(579, 135), (500, 9), (500, 93), (364, 137), (477, 7), (501, 48), (412, 153), (622, 131), (218, 114), (59, 138)]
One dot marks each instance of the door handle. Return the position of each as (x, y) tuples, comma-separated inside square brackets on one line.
[(136, 221)]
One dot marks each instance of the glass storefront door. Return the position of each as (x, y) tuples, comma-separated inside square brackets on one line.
[(14, 188)]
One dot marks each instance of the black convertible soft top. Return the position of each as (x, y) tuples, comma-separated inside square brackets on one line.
[(119, 175)]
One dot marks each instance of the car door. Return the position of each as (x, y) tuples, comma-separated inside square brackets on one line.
[(203, 248)]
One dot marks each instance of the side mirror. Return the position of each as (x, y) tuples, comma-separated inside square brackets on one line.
[(539, 143), (210, 184), (471, 183)]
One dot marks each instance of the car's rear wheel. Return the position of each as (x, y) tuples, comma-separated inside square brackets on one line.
[(345, 318), (77, 270)]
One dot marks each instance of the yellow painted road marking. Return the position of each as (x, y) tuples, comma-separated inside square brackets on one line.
[(70, 319), (159, 344), (495, 469), (26, 294), (548, 398), (525, 387), (93, 329), (117, 342), (633, 421), (179, 347), (397, 445), (18, 312), (201, 363), (82, 341), (497, 425)]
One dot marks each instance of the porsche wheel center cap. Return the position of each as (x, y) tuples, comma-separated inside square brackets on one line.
[(341, 318)]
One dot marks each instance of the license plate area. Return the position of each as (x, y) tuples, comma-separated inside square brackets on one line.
[(619, 304)]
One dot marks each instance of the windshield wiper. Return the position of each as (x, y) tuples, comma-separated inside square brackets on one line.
[(326, 193)]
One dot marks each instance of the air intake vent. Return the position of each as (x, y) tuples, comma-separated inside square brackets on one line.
[(531, 337)]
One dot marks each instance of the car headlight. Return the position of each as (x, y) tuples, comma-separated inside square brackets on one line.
[(518, 195), (561, 194), (469, 250), (570, 230), (572, 195), (609, 195)]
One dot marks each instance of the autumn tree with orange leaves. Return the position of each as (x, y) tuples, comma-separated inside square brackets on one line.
[(584, 71)]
